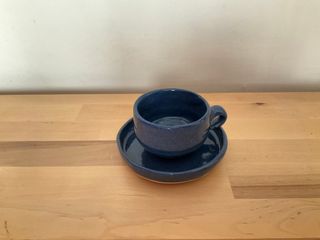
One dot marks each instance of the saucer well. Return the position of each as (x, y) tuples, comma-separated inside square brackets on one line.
[(171, 170)]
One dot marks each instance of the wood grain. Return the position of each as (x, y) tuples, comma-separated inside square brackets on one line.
[(61, 176), (81, 153)]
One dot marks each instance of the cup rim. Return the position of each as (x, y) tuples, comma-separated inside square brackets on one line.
[(140, 98)]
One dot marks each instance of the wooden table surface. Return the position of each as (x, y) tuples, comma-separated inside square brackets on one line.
[(62, 177)]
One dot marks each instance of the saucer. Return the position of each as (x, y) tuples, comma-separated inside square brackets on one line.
[(171, 170)]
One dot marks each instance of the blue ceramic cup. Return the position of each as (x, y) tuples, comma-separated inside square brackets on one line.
[(174, 122)]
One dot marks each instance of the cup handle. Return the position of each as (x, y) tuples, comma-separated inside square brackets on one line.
[(218, 116)]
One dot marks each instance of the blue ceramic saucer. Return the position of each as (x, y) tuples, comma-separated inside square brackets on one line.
[(179, 169)]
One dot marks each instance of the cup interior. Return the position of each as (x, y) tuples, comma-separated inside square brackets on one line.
[(172, 107)]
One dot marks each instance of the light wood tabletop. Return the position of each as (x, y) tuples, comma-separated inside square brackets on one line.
[(62, 177)]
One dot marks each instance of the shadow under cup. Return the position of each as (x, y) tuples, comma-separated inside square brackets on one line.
[(171, 122)]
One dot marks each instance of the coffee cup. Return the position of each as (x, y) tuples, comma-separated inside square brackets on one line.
[(174, 122)]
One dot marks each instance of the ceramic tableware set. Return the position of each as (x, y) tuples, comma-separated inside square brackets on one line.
[(174, 136)]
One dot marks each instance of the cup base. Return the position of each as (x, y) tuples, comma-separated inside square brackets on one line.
[(178, 170), (165, 154)]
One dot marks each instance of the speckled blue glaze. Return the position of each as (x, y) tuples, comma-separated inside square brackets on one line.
[(174, 122), (185, 168)]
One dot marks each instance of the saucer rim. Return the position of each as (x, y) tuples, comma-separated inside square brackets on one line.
[(210, 164)]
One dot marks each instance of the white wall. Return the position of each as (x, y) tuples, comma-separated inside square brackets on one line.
[(205, 45)]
